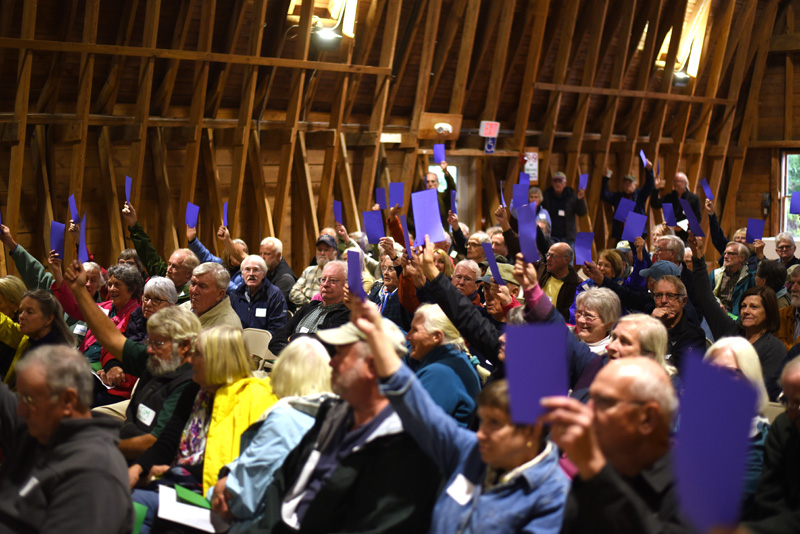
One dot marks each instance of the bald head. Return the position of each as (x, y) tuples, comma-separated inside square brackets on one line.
[(680, 183)]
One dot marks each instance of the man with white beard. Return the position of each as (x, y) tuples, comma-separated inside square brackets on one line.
[(308, 284)]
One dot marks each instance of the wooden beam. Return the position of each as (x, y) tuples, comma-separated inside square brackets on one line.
[(163, 94), (48, 97), (352, 217), (6, 19), (304, 206), (214, 101), (187, 55), (479, 52), (211, 171), (193, 148), (426, 58), (106, 156), (139, 145), (260, 197), (445, 44), (159, 152), (242, 132), (42, 177), (788, 103), (281, 207), (465, 56), (108, 93), (363, 47), (406, 47), (15, 170), (495, 89)]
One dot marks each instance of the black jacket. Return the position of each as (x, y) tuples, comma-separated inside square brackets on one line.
[(567, 293), (283, 278), (386, 485), (685, 340), (282, 336), (78, 482), (564, 227)]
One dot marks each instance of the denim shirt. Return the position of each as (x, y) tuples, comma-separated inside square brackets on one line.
[(205, 256), (532, 501)]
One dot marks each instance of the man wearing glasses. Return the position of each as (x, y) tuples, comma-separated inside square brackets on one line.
[(684, 338), (785, 247), (328, 312), (730, 281), (777, 499)]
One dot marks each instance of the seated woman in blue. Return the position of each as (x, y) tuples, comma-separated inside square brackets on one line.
[(504, 478)]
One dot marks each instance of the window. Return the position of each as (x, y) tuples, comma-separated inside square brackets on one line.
[(452, 170), (790, 184)]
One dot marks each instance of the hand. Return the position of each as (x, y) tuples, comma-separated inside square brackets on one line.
[(452, 220), (387, 244), (375, 207), (223, 234), (128, 215), (663, 314), (393, 211), (501, 293), (659, 182), (638, 245), (501, 214), (74, 228), (608, 172), (413, 271), (649, 165), (134, 474), (709, 207), (54, 261), (581, 193), (341, 231), (157, 470), (428, 264), (525, 273), (758, 246), (76, 276), (592, 271), (443, 165), (220, 499), (571, 429), (191, 234), (696, 244), (114, 377), (5, 237)]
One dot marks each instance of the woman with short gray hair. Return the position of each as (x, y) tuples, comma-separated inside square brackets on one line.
[(596, 311)]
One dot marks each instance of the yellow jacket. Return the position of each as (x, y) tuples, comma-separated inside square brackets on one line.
[(11, 336), (236, 407)]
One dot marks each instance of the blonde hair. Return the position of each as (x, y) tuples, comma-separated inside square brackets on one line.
[(652, 338), (747, 361), (434, 319), (225, 355), (448, 263), (303, 369), (12, 289)]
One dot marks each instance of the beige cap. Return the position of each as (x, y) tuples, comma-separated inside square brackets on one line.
[(349, 333)]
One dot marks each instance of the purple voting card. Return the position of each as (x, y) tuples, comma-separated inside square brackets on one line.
[(526, 218), (427, 220), (397, 193), (643, 157), (1, 220), (192, 212), (354, 274), (406, 237), (492, 261), (453, 203), (624, 207), (373, 226), (524, 178), (73, 209), (536, 367), (57, 238), (520, 195), (658, 168), (583, 181), (583, 247), (337, 211), (83, 251), (669, 214), (438, 153), (128, 184), (707, 189), (380, 197), (715, 408), (755, 229), (502, 196), (634, 226), (225, 214), (794, 207), (694, 224)]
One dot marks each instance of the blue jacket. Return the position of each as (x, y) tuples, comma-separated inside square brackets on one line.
[(205, 255), (451, 380), (533, 501), (266, 310)]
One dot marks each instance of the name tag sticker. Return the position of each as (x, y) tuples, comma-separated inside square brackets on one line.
[(561, 213), (145, 414), (80, 330), (105, 310), (261, 312), (461, 490), (302, 330)]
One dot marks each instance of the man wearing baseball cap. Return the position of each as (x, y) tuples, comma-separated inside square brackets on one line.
[(638, 195), (308, 284)]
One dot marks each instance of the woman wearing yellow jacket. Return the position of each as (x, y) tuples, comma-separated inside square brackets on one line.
[(41, 322), (205, 430)]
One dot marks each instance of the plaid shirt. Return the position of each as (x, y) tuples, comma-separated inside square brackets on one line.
[(306, 286)]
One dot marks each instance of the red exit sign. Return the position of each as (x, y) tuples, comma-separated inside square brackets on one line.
[(489, 129)]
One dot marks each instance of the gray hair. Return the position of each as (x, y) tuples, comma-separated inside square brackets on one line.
[(652, 338), (92, 266), (744, 253), (471, 265), (603, 301), (220, 274), (64, 367), (682, 177), (482, 237), (176, 323), (491, 232), (747, 361), (675, 244), (464, 229), (652, 385), (785, 236), (433, 319), (162, 288), (258, 260), (275, 242), (361, 240), (790, 368), (128, 275), (340, 263), (190, 259)]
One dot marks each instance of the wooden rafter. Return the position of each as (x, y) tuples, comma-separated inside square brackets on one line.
[(478, 55), (363, 46), (161, 174), (263, 208), (465, 56), (49, 94), (42, 178), (405, 49), (108, 93), (214, 100), (163, 94), (444, 45), (495, 90), (111, 202)]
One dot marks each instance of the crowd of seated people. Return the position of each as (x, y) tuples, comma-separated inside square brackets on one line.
[(393, 412)]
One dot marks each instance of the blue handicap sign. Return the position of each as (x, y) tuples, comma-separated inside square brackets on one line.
[(488, 147)]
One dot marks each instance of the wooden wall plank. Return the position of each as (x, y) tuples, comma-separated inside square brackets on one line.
[(159, 152), (107, 171)]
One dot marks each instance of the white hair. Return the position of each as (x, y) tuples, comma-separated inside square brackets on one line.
[(275, 242), (471, 265), (653, 384), (258, 260), (747, 361)]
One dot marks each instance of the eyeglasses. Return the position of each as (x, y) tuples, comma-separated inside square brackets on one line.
[(553, 255), (157, 344), (154, 300), (794, 405), (460, 277), (328, 280), (672, 297), (471, 244), (588, 317), (784, 247), (602, 402), (726, 253), (24, 399)]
